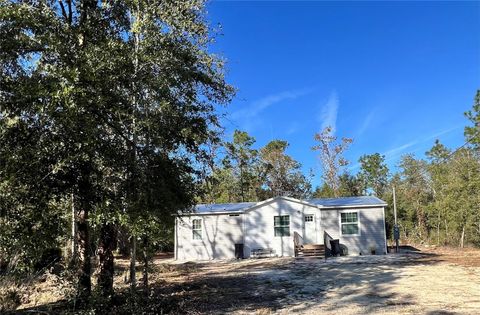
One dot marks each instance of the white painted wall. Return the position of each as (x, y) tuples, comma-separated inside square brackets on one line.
[(220, 233), (259, 226)]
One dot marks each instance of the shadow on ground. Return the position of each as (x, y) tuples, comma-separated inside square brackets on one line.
[(273, 284)]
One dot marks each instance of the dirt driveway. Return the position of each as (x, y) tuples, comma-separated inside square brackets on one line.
[(441, 281), (413, 283)]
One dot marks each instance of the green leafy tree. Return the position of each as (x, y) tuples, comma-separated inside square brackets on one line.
[(373, 173), (110, 99), (283, 175), (416, 189), (472, 133), (438, 169), (459, 198), (242, 160), (349, 185), (323, 191), (57, 72)]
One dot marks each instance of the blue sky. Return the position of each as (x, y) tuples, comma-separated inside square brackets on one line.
[(394, 76)]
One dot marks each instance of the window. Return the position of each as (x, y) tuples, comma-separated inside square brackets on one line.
[(309, 218), (197, 229), (282, 225), (349, 223)]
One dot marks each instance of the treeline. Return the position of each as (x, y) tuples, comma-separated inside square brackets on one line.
[(239, 173), (438, 198), (106, 110)]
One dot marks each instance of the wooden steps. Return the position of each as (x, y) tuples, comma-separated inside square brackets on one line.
[(311, 250), (262, 253)]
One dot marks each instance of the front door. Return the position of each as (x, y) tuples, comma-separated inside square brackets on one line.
[(310, 229)]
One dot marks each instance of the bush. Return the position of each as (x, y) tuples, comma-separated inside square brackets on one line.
[(48, 257)]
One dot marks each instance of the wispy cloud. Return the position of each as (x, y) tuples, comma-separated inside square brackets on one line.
[(258, 106), (367, 121), (293, 128), (400, 149), (329, 112), (397, 151)]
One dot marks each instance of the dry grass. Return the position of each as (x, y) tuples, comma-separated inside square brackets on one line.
[(467, 257)]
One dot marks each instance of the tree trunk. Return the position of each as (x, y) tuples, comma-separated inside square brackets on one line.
[(145, 262), (84, 264), (421, 220), (123, 241), (462, 237), (133, 259), (438, 229), (85, 193), (446, 232), (106, 246), (73, 259)]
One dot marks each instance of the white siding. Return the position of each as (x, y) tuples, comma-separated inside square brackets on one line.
[(372, 230), (220, 233), (255, 229), (259, 226)]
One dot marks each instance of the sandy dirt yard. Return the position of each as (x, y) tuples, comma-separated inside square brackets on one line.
[(431, 281), (427, 282)]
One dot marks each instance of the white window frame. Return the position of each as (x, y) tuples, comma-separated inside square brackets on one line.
[(340, 222), (197, 229), (281, 226), (309, 215)]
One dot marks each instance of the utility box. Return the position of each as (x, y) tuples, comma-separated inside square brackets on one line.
[(239, 251), (396, 232), (335, 245)]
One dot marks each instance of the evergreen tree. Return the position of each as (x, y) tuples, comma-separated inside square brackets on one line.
[(373, 174), (283, 175), (242, 160), (472, 133)]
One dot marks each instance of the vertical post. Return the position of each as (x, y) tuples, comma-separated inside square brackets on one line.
[(396, 231), (133, 259)]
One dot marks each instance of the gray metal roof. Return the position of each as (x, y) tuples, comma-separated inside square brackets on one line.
[(325, 202), (223, 207), (347, 201)]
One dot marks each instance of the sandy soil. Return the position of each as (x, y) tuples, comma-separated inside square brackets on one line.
[(434, 281), (431, 281)]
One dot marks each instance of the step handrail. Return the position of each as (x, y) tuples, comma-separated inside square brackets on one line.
[(297, 242), (326, 242)]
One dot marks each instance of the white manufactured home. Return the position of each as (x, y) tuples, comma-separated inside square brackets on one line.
[(281, 226)]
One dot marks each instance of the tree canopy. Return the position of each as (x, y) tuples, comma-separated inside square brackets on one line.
[(110, 103)]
